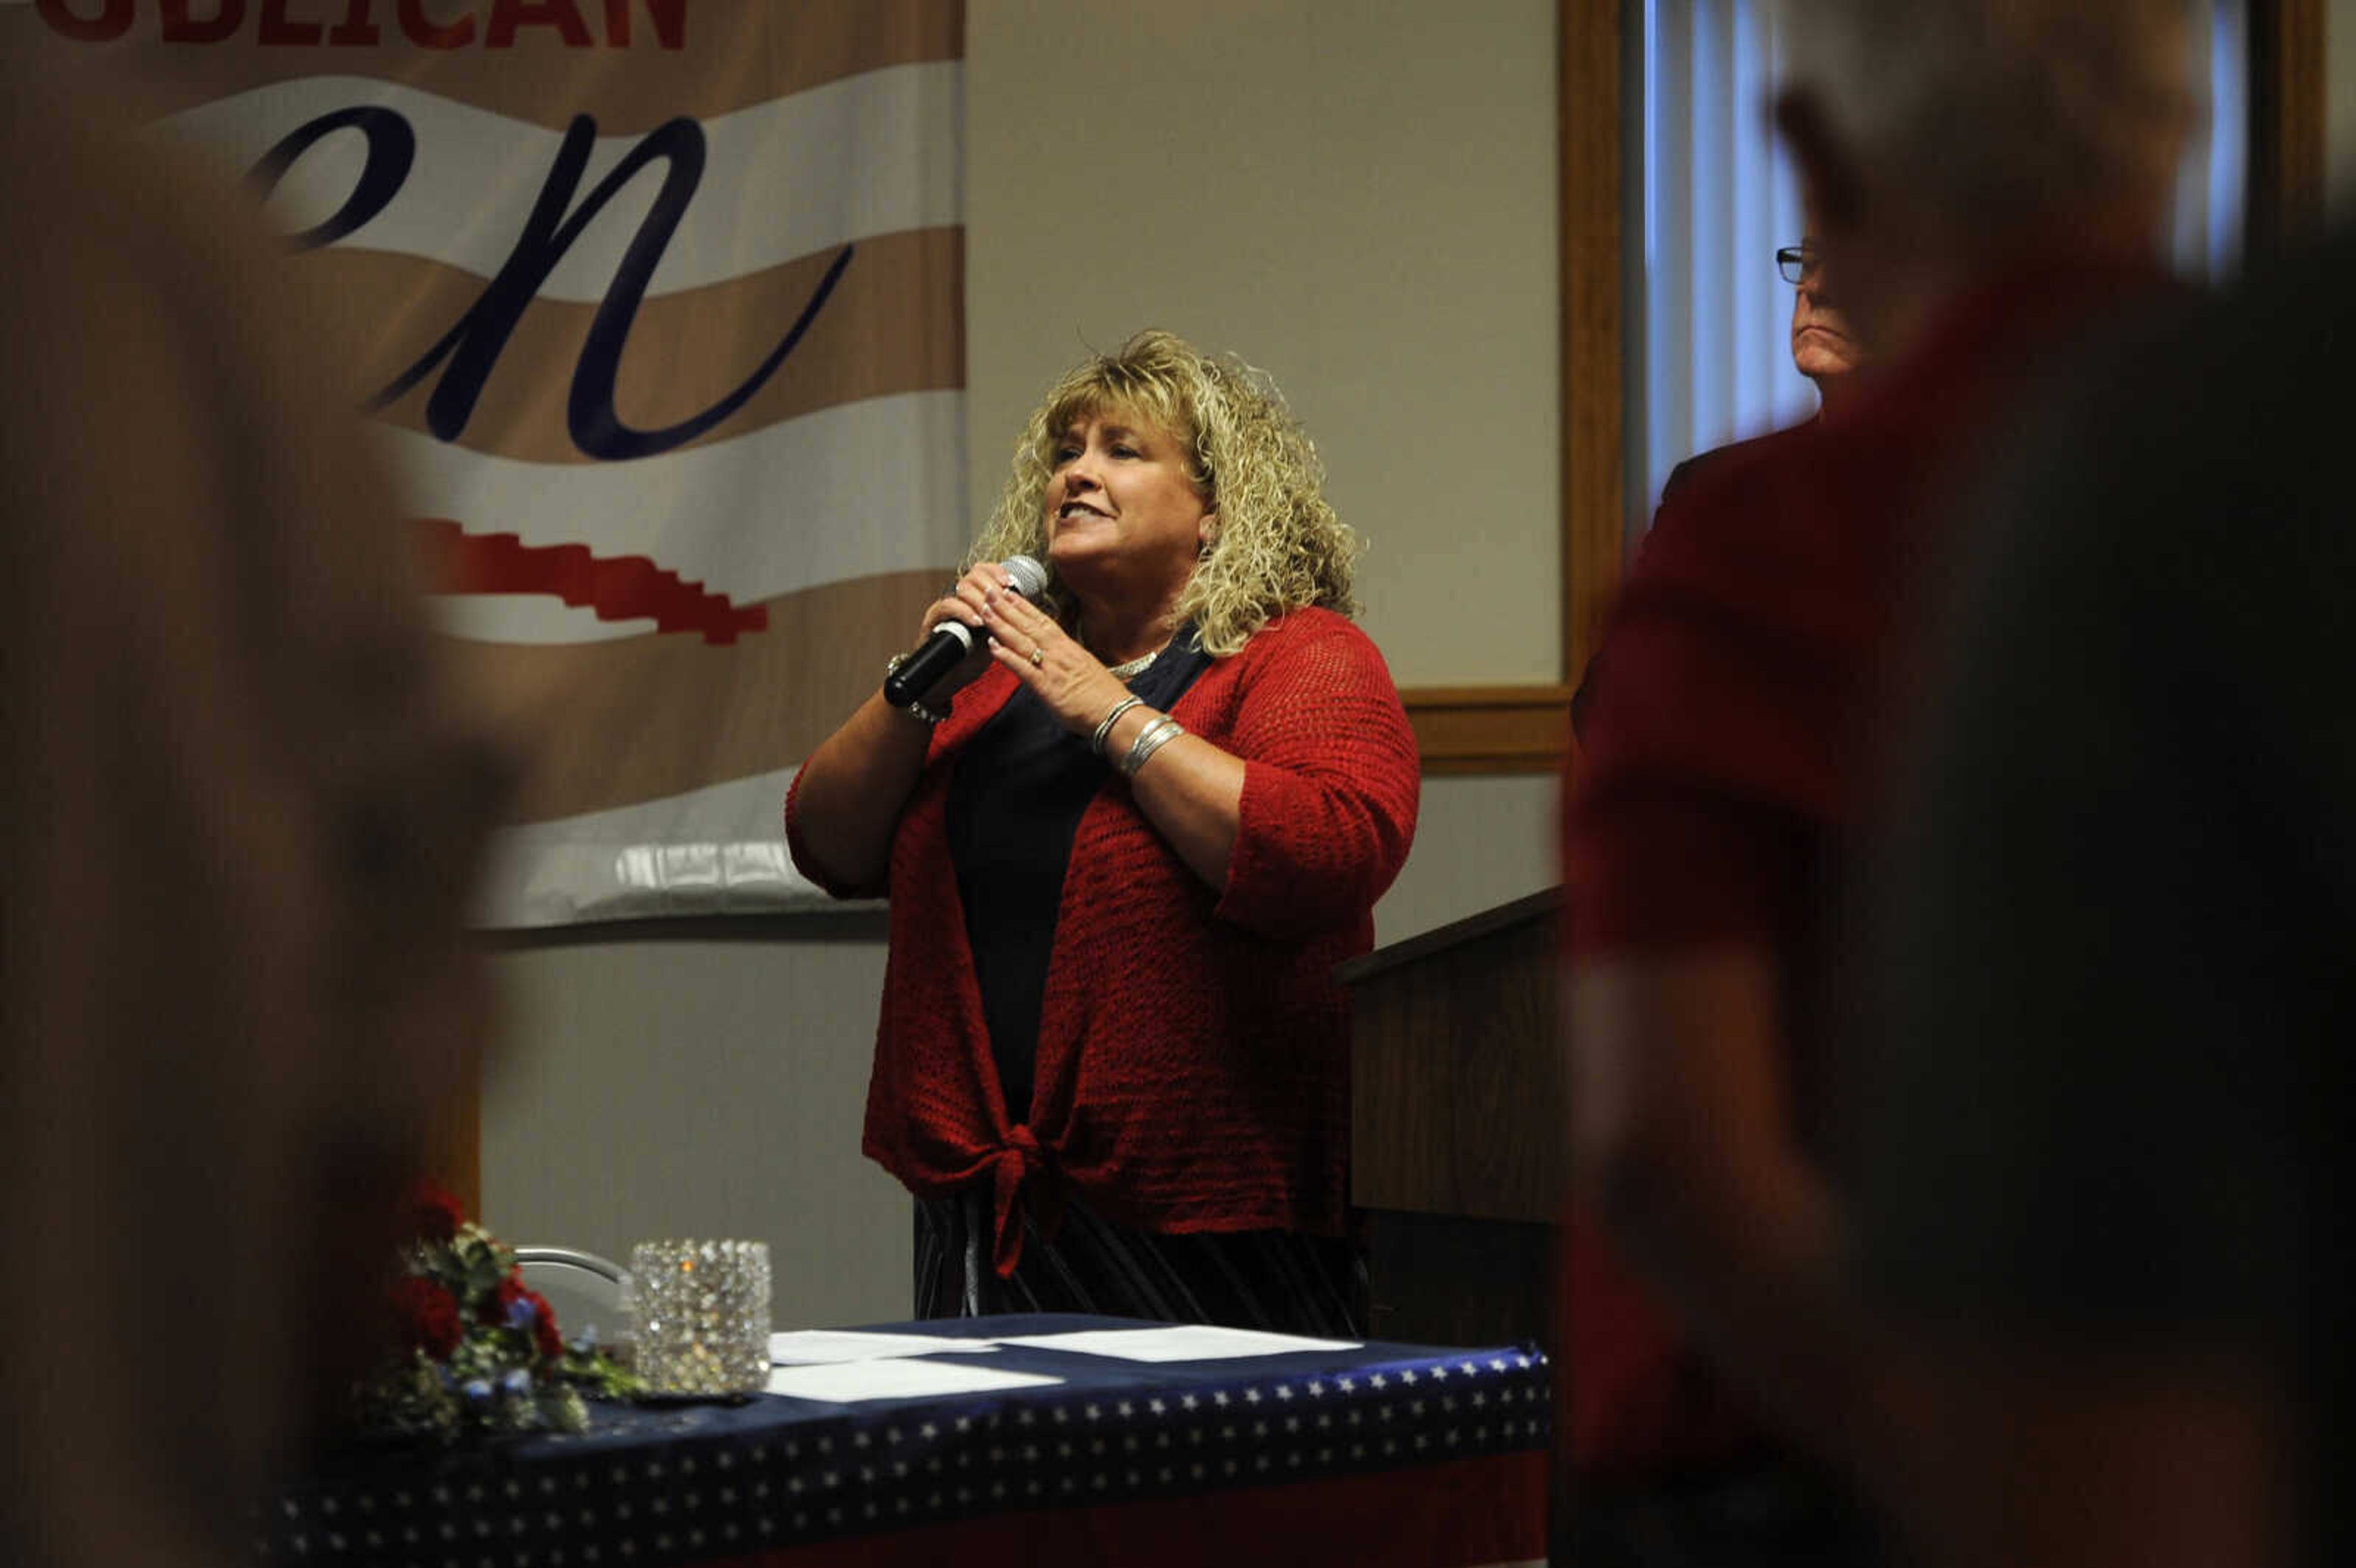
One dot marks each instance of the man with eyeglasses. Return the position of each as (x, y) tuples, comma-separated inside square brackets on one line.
[(1823, 349)]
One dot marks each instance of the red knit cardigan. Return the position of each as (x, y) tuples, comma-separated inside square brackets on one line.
[(1193, 1059)]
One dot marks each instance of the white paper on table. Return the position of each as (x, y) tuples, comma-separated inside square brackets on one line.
[(1188, 1342), (813, 1347), (847, 1382)]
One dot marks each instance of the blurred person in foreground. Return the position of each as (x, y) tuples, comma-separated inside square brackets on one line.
[(1826, 349), (1988, 179), (2108, 1177), (1126, 843), (244, 825)]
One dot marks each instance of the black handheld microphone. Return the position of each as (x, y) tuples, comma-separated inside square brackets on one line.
[(952, 640)]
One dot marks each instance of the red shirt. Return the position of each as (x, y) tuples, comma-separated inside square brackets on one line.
[(1194, 1046), (1731, 740)]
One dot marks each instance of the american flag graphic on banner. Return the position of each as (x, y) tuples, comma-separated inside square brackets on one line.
[(660, 303)]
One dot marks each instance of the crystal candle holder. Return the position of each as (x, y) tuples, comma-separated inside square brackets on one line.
[(701, 1311)]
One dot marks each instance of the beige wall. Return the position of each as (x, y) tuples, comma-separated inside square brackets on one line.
[(699, 1087), (1359, 198)]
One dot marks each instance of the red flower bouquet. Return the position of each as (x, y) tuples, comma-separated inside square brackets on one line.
[(428, 1315), (479, 1350)]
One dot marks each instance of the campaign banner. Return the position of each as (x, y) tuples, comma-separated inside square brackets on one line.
[(660, 311)]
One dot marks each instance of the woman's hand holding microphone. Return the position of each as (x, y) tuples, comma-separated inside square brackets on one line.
[(993, 600)]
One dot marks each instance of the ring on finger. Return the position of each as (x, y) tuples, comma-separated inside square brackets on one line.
[(1038, 655)]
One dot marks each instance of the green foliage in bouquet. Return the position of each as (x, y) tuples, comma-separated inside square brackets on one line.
[(480, 1351)]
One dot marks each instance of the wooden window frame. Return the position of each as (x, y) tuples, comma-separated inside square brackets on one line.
[(2288, 145), (1526, 729)]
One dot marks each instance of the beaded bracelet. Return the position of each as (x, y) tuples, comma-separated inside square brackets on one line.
[(1096, 740), (1151, 739), (915, 706)]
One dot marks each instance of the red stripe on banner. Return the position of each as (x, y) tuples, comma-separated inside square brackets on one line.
[(618, 588), (1464, 1514)]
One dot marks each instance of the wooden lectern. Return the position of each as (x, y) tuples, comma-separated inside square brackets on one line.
[(1460, 1126)]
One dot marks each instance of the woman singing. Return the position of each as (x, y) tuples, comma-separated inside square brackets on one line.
[(1126, 843)]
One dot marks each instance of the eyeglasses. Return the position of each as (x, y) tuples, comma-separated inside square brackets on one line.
[(1798, 263)]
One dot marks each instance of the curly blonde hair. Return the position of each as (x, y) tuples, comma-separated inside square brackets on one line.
[(1278, 546)]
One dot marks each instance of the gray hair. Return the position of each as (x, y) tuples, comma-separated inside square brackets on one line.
[(2001, 109)]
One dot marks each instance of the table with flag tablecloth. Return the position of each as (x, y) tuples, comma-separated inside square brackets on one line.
[(1369, 1453)]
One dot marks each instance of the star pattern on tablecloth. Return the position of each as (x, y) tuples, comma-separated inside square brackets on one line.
[(572, 1506)]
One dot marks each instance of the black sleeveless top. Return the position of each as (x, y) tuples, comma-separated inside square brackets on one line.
[(1014, 806)]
